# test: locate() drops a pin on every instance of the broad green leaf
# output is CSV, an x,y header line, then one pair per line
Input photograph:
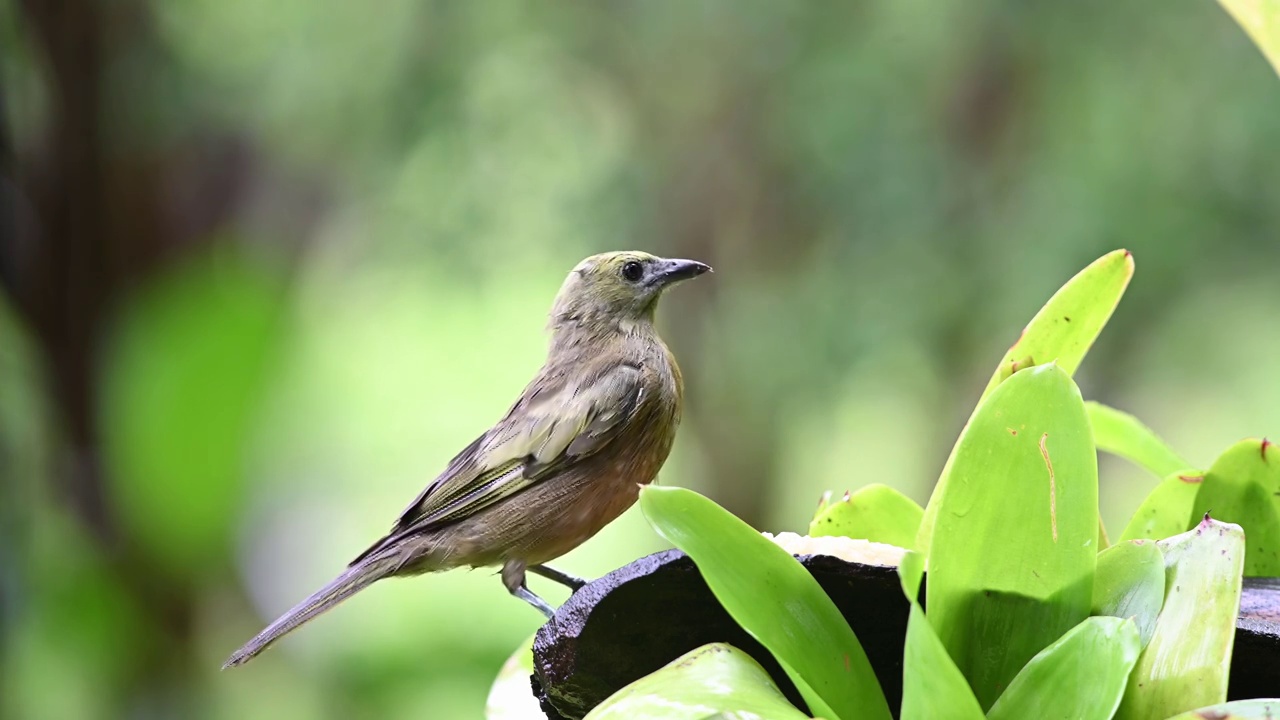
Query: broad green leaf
x,y
933,688
1080,677
510,696
1011,565
1185,664
1129,583
774,599
1260,709
183,380
876,512
1062,332
1167,510
1242,488
1120,433
704,682
1261,20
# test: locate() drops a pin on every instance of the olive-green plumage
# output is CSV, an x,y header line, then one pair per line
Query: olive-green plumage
x,y
596,422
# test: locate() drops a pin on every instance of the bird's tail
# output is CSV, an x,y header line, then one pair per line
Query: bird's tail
x,y
359,576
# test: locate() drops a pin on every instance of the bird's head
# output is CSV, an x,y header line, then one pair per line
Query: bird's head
x,y
618,288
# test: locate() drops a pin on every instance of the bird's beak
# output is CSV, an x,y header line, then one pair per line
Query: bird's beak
x,y
672,271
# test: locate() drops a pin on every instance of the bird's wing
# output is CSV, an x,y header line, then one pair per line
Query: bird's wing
x,y
552,426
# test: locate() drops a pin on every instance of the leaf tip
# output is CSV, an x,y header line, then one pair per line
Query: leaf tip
x,y
824,501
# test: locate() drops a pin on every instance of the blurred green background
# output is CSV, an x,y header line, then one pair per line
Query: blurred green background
x,y
266,266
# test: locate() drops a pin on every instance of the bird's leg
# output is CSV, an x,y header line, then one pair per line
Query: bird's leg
x,y
573,583
513,578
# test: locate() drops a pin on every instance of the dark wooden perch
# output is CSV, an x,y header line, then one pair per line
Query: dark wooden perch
x,y
640,617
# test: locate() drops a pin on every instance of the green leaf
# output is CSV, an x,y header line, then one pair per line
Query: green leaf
x,y
1120,433
1260,709
1185,664
774,599
510,696
1129,583
876,512
1167,510
1242,488
1062,332
1080,677
1261,20
183,381
704,682
1069,323
933,688
1011,565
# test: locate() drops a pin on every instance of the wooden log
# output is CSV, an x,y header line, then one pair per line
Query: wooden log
x,y
638,618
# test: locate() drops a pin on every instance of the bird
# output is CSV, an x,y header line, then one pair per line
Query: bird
x,y
569,456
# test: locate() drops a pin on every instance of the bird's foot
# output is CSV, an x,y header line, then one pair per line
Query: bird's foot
x,y
573,583
528,596
513,578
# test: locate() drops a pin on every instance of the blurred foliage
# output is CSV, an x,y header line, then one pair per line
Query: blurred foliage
x,y
268,265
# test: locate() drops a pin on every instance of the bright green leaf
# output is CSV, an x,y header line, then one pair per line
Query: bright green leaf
x,y
1011,565
1166,510
1129,583
1069,323
1062,332
183,381
1120,433
1242,487
1261,20
876,512
1185,664
774,599
704,682
933,688
1261,709
1080,677
510,696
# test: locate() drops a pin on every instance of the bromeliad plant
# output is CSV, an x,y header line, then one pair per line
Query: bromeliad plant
x,y
1030,613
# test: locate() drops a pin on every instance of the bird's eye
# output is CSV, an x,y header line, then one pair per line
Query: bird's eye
x,y
632,270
